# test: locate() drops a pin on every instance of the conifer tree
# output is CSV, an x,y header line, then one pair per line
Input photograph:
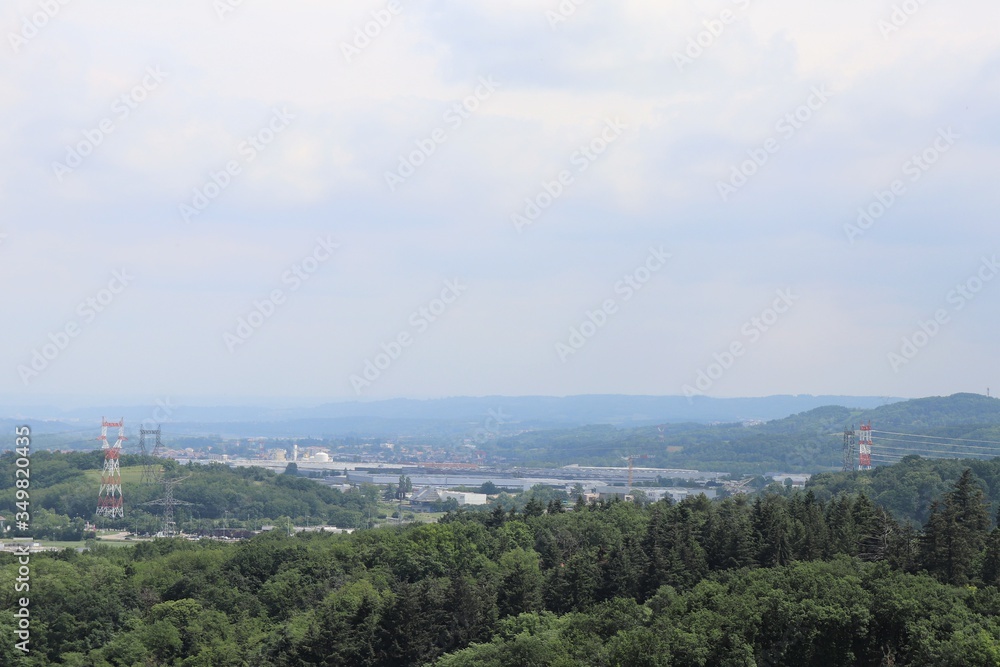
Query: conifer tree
x,y
956,531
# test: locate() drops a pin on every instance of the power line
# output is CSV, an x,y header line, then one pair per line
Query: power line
x,y
941,444
895,458
938,437
934,451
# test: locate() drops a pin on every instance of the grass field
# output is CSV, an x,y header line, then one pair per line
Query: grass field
x,y
81,543
130,474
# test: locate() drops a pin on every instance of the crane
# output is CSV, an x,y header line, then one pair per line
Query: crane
x,y
631,458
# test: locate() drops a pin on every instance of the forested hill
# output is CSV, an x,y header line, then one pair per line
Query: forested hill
x,y
780,579
807,441
938,411
908,488
64,493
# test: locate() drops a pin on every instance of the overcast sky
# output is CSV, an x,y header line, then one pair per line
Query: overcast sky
x,y
688,173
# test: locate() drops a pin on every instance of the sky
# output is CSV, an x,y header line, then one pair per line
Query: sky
x,y
428,198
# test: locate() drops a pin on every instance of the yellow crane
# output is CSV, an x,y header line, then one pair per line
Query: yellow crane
x,y
631,459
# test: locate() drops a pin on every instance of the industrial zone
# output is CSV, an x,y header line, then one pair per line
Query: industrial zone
x,y
430,485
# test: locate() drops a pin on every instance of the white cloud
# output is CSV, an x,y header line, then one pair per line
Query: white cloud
x,y
657,182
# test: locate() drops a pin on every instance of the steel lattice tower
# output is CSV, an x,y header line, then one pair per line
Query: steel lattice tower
x,y
150,471
109,498
169,502
865,447
850,445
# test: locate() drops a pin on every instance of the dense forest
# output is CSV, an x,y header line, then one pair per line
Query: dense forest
x,y
908,488
784,578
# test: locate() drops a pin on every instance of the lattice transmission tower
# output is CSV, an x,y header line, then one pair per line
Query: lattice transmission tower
x,y
109,498
850,447
169,502
865,447
152,473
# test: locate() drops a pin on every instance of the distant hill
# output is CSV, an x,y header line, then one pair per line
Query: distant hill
x,y
809,441
938,411
446,416
669,432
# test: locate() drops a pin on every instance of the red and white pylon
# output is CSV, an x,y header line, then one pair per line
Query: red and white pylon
x,y
865,447
109,498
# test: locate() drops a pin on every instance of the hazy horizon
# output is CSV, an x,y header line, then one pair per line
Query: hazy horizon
x,y
84,401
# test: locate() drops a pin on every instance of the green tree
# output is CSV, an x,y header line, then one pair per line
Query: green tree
x,y
809,530
533,507
675,556
521,581
730,536
772,531
405,486
991,559
497,517
343,630
956,531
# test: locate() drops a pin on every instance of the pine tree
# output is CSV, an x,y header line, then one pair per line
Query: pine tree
x,y
533,508
956,531
729,535
991,560
811,531
497,517
840,522
877,543
671,546
772,529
